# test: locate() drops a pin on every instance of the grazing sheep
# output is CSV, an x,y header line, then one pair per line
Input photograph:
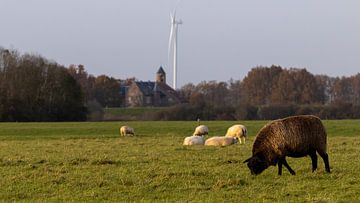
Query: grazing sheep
x,y
295,136
201,130
221,141
194,140
125,130
238,131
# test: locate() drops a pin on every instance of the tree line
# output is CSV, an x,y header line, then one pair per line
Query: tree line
x,y
265,93
33,88
270,93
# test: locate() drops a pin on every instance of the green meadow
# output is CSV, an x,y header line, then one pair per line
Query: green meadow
x,y
89,161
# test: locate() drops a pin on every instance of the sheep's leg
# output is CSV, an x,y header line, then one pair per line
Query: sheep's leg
x,y
325,157
287,166
280,167
313,160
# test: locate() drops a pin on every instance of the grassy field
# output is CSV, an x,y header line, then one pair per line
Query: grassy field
x,y
88,161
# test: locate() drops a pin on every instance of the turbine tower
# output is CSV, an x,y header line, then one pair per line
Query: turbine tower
x,y
173,45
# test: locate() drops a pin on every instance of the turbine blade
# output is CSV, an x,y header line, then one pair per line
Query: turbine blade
x,y
172,18
170,40
176,6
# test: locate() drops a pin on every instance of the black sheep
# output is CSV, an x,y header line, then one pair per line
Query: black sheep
x,y
295,136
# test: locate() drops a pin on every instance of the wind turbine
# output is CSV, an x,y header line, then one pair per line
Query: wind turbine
x,y
173,45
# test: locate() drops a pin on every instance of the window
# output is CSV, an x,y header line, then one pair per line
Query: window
x,y
148,100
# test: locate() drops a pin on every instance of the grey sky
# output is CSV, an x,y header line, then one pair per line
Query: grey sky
x,y
219,40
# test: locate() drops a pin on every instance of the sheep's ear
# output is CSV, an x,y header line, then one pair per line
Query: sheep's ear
x,y
247,160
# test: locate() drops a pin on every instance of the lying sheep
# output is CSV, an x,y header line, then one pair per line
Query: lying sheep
x,y
296,136
126,130
238,131
201,130
194,140
221,141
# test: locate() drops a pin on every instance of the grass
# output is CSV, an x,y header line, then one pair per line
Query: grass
x,y
90,162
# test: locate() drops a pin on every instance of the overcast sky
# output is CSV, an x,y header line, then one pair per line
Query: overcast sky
x,y
218,40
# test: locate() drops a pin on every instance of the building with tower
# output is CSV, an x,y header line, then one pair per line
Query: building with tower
x,y
152,93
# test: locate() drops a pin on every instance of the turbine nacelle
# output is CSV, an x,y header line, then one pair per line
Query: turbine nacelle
x,y
174,21
178,22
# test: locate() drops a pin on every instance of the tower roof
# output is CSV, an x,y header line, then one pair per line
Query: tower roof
x,y
161,70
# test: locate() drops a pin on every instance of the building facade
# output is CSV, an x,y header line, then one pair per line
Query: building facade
x,y
152,93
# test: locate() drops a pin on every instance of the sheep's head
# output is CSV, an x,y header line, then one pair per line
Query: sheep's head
x,y
244,132
256,165
235,140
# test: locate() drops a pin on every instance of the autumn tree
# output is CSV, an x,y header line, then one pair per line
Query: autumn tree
x,y
325,84
297,86
35,89
107,91
235,93
186,91
257,85
355,82
85,80
342,90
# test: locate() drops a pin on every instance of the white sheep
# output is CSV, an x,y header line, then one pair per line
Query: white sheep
x,y
201,130
125,130
221,141
238,131
194,140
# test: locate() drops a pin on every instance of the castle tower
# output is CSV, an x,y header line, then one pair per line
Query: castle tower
x,y
161,75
